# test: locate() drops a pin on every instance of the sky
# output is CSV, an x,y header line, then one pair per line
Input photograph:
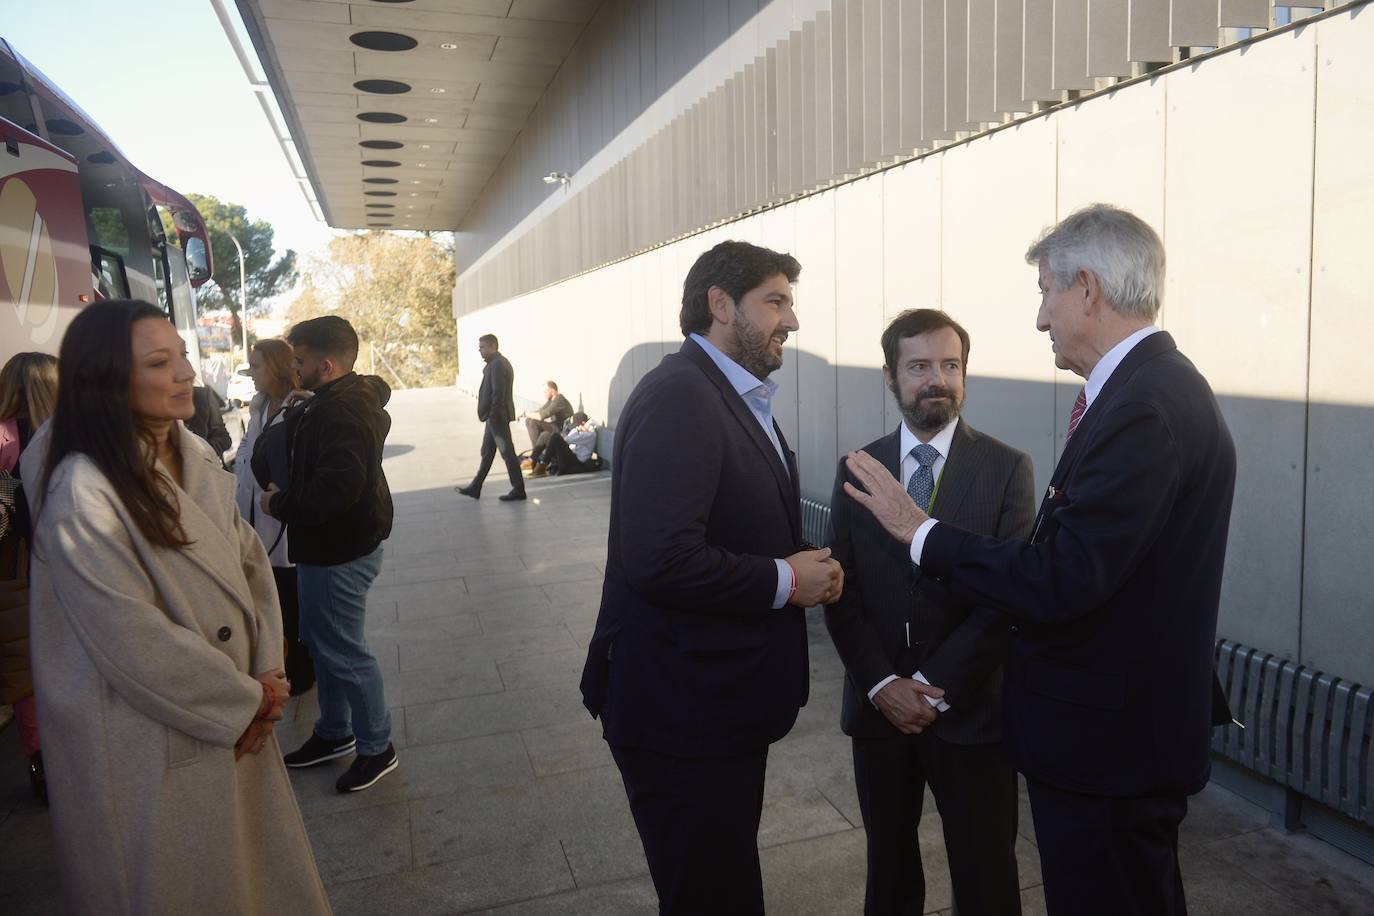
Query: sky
x,y
161,79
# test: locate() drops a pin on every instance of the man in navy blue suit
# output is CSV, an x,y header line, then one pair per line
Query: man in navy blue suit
x,y
1109,680
699,660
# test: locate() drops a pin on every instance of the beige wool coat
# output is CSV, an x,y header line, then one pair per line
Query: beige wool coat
x,y
144,661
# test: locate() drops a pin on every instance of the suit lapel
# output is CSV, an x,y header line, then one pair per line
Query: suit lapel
x,y
959,473
743,415
1152,346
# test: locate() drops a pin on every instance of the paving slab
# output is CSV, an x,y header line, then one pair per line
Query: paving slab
x,y
506,800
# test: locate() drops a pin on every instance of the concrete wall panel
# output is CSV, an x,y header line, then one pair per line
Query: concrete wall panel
x,y
998,193
1237,287
859,310
816,446
1340,478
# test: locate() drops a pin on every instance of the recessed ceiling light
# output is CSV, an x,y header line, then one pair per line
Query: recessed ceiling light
x,y
382,87
380,144
449,46
424,146
414,181
438,89
420,164
381,117
431,120
383,41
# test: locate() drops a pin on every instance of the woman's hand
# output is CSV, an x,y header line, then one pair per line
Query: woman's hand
x,y
253,739
275,696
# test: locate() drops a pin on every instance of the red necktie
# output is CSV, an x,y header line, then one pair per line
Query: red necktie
x,y
1080,404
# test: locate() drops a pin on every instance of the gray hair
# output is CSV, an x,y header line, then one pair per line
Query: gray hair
x,y
1114,245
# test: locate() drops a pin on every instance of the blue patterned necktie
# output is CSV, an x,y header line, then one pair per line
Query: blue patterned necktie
x,y
921,486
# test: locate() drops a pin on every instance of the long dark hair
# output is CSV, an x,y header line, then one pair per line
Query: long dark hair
x,y
94,417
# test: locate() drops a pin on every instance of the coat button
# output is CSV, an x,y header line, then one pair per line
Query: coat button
x,y
224,634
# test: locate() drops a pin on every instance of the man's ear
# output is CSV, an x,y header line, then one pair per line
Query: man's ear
x,y
888,380
720,303
1092,291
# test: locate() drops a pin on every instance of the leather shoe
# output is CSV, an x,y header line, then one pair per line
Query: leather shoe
x,y
540,470
512,496
469,491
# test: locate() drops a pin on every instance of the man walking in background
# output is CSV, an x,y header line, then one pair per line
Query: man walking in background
x,y
698,661
337,506
1114,600
923,691
496,408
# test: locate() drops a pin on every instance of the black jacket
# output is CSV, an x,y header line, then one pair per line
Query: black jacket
x,y
1114,599
496,396
688,657
208,421
336,505
986,487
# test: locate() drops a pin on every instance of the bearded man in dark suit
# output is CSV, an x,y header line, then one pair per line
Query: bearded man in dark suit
x,y
923,684
698,661
1109,681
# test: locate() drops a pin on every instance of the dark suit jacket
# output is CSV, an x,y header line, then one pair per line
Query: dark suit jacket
x,y
1109,678
496,396
688,657
985,487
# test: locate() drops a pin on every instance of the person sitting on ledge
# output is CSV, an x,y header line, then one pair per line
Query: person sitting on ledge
x,y
547,420
569,452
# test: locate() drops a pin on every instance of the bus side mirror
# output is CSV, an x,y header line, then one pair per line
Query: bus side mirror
x,y
197,260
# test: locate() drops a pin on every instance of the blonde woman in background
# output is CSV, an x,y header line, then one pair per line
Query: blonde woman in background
x,y
28,393
271,367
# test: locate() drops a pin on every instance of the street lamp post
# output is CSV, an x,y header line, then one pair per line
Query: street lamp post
x,y
243,299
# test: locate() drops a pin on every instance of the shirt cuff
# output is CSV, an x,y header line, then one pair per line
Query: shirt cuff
x,y
785,584
918,540
879,686
939,704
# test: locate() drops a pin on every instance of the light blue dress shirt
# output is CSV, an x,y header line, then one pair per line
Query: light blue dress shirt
x,y
758,397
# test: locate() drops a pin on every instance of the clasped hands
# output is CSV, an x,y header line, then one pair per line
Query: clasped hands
x,y
903,702
270,711
818,579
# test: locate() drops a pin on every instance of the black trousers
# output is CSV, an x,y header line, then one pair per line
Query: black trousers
x,y
698,818
975,792
300,668
1108,855
496,437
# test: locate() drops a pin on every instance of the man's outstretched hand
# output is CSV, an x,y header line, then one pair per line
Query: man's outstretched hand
x,y
882,495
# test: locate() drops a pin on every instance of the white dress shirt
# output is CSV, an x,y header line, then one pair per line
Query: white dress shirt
x,y
941,442
758,397
1097,379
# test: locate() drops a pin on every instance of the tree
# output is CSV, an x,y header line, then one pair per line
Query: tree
x,y
266,277
397,292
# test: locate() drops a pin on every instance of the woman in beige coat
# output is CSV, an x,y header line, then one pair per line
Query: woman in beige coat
x,y
157,646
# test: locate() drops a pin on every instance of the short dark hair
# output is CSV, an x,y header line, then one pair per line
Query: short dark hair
x,y
735,267
551,384
913,323
491,339
328,335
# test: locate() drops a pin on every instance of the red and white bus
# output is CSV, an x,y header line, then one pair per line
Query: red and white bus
x,y
78,222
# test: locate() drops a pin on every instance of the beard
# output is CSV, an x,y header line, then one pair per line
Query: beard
x,y
925,411
312,381
752,347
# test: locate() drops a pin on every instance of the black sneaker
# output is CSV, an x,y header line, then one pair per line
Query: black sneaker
x,y
317,750
367,769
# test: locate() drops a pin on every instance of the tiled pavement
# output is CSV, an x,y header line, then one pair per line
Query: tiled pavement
x,y
506,799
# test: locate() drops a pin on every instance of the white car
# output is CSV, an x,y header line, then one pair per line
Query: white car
x,y
241,389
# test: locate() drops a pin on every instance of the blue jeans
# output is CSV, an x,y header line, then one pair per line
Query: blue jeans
x,y
333,602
